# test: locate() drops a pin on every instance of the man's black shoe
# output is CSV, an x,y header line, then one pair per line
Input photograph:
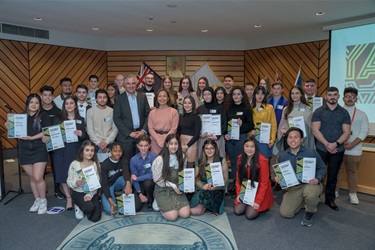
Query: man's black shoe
x,y
59,195
332,205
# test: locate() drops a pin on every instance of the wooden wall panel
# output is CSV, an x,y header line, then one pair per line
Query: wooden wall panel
x,y
221,62
14,81
286,60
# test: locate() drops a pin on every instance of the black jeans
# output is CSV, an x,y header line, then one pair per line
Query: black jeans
x,y
92,209
333,162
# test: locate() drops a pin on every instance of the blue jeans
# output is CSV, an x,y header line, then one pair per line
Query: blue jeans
x,y
234,148
119,185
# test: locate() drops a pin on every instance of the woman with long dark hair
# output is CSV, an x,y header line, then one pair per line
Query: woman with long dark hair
x,y
186,88
171,201
208,197
253,167
32,152
221,95
167,84
112,91
63,157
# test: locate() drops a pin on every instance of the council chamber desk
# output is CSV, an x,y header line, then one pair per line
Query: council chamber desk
x,y
366,175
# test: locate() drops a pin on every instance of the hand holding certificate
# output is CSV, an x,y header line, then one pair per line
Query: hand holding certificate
x,y
217,178
248,193
69,127
126,204
17,125
54,137
284,171
92,180
306,168
265,133
235,130
211,124
186,180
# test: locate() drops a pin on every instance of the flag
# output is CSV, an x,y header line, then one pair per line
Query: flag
x,y
143,71
205,70
299,78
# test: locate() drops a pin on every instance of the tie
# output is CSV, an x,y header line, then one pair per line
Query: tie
x,y
310,100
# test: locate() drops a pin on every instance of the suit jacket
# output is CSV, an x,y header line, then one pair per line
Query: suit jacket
x,y
123,118
279,107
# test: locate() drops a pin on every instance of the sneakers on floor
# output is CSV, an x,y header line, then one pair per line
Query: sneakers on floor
x,y
155,206
78,212
307,219
42,206
337,194
34,208
353,199
59,195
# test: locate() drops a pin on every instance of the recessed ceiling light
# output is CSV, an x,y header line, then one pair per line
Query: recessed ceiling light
x,y
257,25
95,28
204,31
150,30
172,5
38,19
320,13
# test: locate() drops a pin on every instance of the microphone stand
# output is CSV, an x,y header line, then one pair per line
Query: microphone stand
x,y
20,191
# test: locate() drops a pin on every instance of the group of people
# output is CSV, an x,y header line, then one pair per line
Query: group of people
x,y
142,149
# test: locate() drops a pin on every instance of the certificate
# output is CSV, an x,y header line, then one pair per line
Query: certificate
x,y
17,125
298,122
265,132
284,171
217,178
248,193
307,167
128,204
54,137
211,124
317,103
186,180
91,177
235,130
69,127
150,99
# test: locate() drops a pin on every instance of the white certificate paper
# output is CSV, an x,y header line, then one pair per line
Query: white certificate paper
x,y
91,177
285,172
317,103
298,122
217,174
235,132
189,180
309,168
150,99
17,125
128,204
265,132
70,127
54,137
211,124
250,193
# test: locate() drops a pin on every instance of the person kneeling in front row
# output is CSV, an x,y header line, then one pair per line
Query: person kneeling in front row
x,y
305,194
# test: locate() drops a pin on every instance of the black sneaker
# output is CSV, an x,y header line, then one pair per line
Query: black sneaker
x,y
59,195
149,206
307,219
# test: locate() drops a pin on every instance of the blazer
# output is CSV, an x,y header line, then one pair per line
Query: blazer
x,y
279,107
123,118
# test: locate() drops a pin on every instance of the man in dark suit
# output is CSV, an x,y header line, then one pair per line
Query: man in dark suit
x,y
130,114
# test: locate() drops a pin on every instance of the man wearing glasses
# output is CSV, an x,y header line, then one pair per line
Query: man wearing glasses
x,y
353,147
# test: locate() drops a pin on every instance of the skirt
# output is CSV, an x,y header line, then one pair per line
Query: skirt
x,y
192,152
32,151
168,199
62,160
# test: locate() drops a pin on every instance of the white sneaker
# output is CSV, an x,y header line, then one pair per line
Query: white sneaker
x,y
78,212
34,208
353,198
42,206
337,194
155,205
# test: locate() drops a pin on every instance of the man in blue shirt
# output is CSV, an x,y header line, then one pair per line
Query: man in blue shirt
x,y
278,101
304,194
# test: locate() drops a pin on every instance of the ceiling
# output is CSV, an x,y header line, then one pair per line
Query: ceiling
x,y
131,18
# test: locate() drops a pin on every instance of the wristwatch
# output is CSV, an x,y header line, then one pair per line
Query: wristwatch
x,y
338,144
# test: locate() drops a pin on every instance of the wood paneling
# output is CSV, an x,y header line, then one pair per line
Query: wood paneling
x,y
221,62
287,60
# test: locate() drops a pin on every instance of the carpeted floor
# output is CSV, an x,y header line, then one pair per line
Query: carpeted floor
x,y
353,227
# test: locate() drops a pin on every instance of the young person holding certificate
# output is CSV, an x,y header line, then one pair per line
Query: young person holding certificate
x,y
32,152
305,194
162,121
189,128
207,196
297,107
64,156
239,116
86,199
211,107
171,201
253,166
265,122
116,177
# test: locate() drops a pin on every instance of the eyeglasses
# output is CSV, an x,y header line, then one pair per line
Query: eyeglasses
x,y
350,96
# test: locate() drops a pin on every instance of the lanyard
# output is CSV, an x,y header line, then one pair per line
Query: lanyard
x,y
355,111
